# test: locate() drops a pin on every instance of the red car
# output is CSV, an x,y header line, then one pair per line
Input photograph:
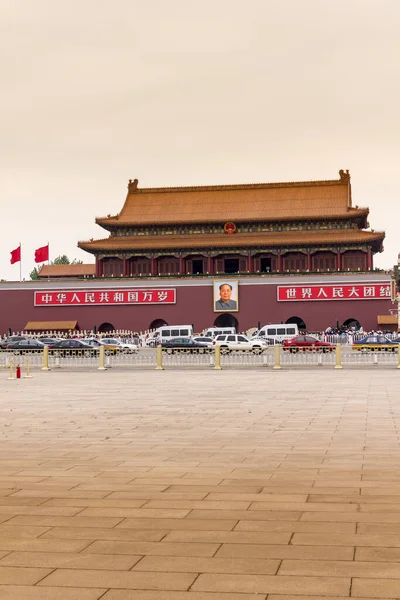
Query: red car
x,y
302,343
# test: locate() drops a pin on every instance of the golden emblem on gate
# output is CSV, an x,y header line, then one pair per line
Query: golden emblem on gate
x,y
230,228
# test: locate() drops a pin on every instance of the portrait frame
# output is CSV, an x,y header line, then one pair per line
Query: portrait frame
x,y
234,296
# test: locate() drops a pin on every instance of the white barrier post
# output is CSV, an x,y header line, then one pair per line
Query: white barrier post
x,y
277,358
159,358
11,369
101,358
45,359
28,369
338,364
217,361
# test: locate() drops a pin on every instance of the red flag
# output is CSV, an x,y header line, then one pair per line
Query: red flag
x,y
42,254
15,255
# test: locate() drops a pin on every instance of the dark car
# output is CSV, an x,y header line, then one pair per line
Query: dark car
x,y
306,343
183,344
12,339
376,342
25,345
65,347
47,341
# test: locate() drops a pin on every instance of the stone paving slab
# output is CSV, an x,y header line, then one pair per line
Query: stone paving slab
x,y
189,485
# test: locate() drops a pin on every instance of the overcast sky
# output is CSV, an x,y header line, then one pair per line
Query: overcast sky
x,y
182,92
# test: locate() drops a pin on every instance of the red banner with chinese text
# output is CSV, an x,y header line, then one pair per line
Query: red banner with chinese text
x,y
104,297
375,291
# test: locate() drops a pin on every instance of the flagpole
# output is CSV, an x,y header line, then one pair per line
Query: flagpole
x,y
20,263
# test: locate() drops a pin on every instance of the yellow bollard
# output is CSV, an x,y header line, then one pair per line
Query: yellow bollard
x,y
45,359
28,369
277,358
102,355
217,361
338,364
11,369
398,356
159,366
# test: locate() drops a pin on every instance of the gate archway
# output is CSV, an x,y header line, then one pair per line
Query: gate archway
x,y
106,328
157,323
226,320
298,321
352,323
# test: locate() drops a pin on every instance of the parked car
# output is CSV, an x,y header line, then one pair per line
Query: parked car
x,y
184,345
303,343
230,342
113,343
69,346
11,339
49,340
265,340
202,339
376,342
26,345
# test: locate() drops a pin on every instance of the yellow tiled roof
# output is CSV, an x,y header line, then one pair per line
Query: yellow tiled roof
x,y
78,270
237,203
51,325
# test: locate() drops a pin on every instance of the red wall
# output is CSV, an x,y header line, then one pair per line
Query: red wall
x,y
257,303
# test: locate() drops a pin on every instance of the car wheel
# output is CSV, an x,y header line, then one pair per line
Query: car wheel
x,y
257,350
364,349
224,350
169,351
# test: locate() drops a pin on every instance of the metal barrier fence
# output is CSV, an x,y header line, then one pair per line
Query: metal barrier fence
x,y
151,358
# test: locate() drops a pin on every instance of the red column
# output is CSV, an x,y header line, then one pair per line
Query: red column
x,y
209,264
97,267
279,261
338,260
181,265
124,267
153,266
308,261
250,265
369,259
100,267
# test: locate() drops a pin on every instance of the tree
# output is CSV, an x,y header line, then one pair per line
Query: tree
x,y
59,260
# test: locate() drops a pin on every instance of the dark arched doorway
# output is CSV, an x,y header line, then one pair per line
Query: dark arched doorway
x,y
226,320
352,323
106,328
298,321
157,323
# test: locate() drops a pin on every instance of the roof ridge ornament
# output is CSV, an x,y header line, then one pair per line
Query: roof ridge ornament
x,y
133,186
344,176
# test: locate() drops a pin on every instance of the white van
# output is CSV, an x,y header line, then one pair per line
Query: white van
x,y
167,332
214,331
278,333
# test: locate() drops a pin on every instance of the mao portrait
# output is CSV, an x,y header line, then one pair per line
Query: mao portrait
x,y
226,296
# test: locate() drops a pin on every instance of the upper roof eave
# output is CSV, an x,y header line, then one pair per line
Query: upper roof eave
x,y
350,214
262,239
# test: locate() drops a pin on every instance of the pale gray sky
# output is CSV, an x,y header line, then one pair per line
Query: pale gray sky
x,y
182,92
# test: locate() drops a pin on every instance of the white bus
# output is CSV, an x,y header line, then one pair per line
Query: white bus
x,y
278,332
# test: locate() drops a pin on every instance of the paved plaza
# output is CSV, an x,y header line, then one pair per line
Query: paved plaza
x,y
200,485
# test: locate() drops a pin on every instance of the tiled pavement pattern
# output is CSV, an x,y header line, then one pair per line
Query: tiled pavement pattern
x,y
239,485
